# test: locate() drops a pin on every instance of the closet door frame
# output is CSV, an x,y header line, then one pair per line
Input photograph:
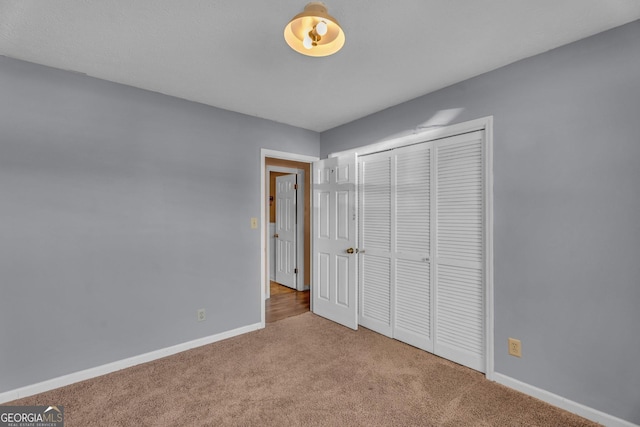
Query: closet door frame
x,y
483,124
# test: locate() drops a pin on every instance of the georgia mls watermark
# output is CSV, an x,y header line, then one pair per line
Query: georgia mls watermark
x,y
31,416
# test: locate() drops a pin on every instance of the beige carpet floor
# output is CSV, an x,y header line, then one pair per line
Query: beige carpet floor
x,y
300,371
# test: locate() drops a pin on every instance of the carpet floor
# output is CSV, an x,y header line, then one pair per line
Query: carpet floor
x,y
300,371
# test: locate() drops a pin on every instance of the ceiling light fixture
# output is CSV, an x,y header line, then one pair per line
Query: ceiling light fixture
x,y
314,32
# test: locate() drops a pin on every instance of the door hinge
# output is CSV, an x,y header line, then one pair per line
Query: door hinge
x,y
295,186
295,271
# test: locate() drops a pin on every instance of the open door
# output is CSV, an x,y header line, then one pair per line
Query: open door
x,y
286,230
334,290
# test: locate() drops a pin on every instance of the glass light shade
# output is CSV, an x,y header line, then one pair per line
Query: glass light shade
x,y
300,26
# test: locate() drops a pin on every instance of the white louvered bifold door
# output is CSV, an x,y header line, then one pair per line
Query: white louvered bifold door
x,y
412,308
421,236
459,250
375,203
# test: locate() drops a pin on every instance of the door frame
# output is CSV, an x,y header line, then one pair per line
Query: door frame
x,y
299,225
264,228
485,124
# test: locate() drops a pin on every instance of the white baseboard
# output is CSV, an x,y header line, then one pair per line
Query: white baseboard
x,y
561,402
86,374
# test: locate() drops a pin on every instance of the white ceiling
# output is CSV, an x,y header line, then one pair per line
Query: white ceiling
x,y
231,53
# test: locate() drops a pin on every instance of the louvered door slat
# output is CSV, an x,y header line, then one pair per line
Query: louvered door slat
x,y
375,203
413,200
413,300
376,274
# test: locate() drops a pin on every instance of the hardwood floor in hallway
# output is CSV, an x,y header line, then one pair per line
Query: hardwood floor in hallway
x,y
285,302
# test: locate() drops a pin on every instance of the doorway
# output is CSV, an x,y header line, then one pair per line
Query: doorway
x,y
284,301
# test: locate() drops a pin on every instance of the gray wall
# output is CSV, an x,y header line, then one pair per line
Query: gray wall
x,y
121,213
567,211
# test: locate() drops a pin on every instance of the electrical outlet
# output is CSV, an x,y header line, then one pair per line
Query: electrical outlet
x,y
202,315
254,222
515,347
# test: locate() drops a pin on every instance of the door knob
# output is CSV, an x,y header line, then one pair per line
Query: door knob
x,y
350,251
276,235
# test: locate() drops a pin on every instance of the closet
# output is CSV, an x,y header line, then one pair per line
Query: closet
x,y
421,237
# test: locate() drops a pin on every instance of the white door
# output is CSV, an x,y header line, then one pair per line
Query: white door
x,y
375,215
286,231
459,260
334,290
394,214
422,239
412,230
